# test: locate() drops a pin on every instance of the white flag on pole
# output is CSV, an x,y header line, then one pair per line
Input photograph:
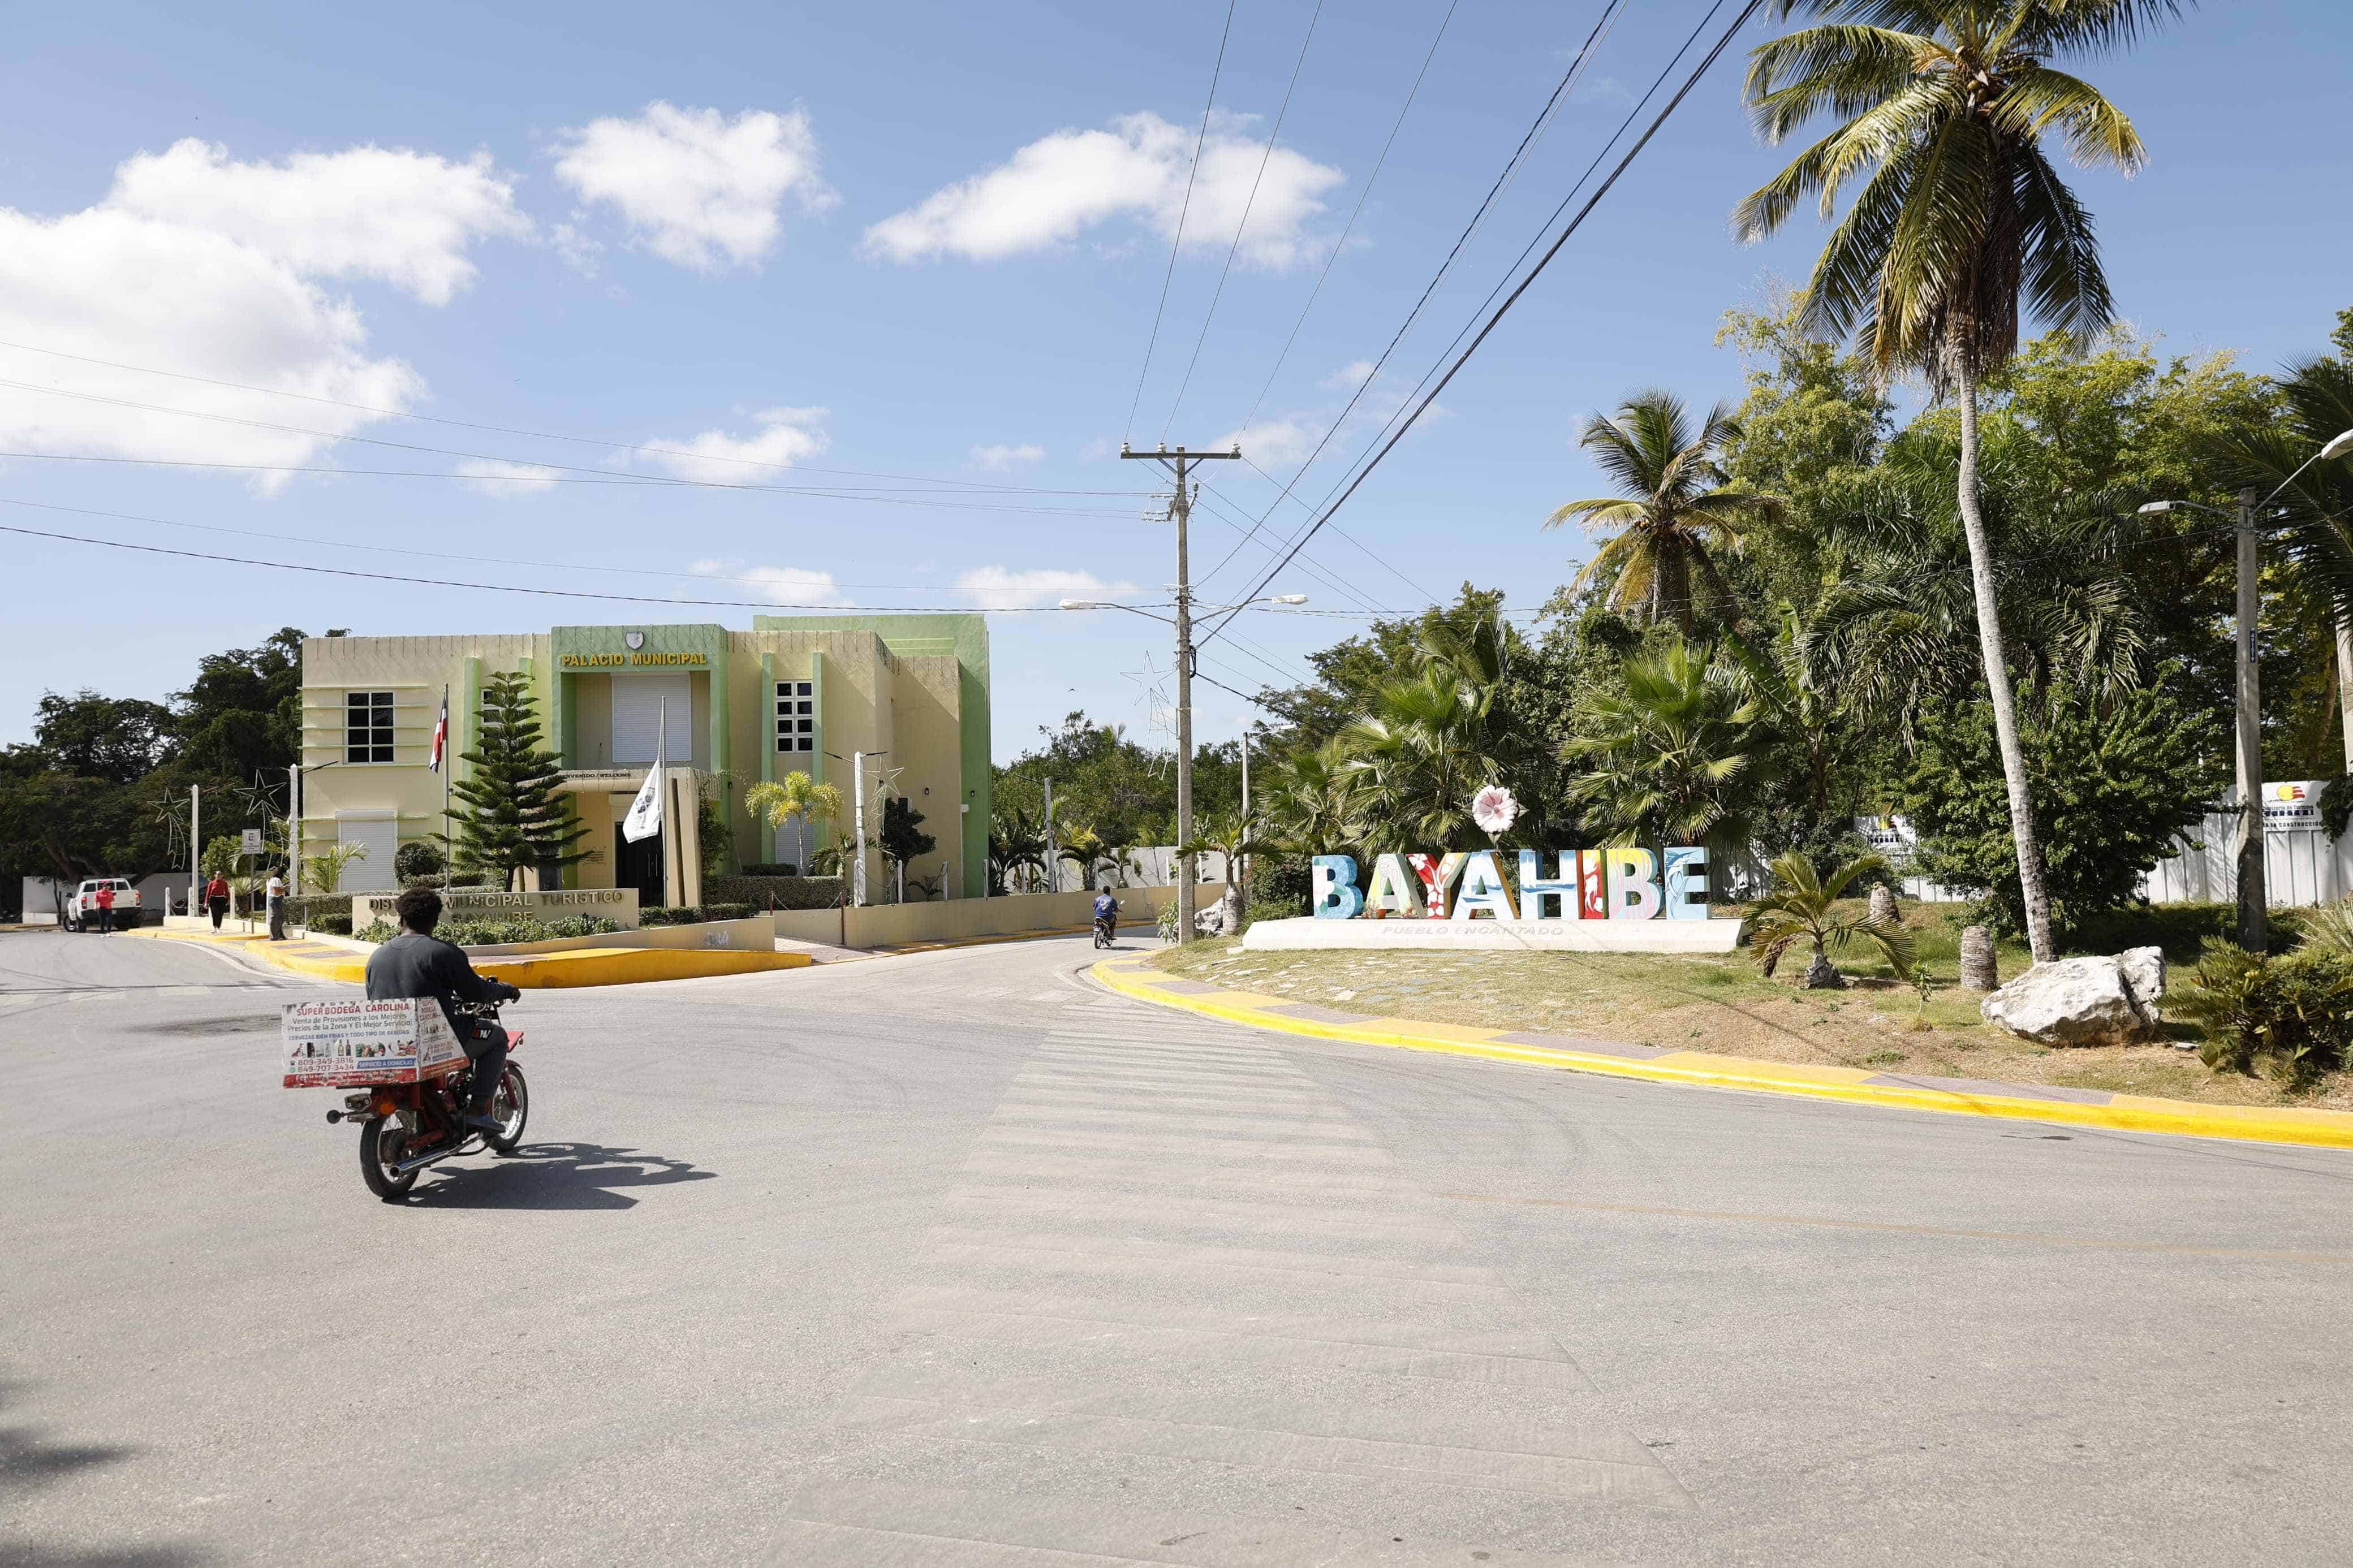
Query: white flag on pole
x,y
645,818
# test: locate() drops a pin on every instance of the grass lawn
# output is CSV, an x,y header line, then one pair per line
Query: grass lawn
x,y
1722,1004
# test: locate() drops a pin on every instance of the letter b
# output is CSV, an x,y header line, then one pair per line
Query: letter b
x,y
1333,894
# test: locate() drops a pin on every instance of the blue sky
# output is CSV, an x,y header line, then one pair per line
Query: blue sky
x,y
925,243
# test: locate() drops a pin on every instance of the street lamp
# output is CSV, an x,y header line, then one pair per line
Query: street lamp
x,y
2254,903
294,819
1182,621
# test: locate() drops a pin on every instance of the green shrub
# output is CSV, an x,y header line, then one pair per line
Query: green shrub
x,y
310,908
692,914
418,860
582,925
727,911
760,891
2292,1014
378,931
775,868
333,925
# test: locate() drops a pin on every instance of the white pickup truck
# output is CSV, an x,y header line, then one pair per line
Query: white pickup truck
x,y
82,910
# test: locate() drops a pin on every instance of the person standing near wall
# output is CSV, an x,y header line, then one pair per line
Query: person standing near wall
x,y
216,897
277,896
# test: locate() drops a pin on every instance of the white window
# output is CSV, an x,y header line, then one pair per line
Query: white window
x,y
645,703
796,716
367,727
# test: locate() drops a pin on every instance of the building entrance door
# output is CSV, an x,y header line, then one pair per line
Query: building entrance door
x,y
640,865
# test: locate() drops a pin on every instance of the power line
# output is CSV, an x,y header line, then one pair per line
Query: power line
x,y
921,498
1265,158
442,555
769,604
503,429
657,480
1368,551
1746,11
1568,77
1182,213
1350,226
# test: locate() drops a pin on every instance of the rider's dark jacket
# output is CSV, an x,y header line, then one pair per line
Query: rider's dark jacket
x,y
414,965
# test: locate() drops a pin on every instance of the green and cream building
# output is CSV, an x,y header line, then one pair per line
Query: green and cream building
x,y
799,693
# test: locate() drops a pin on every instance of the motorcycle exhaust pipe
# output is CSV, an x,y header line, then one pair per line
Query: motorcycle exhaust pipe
x,y
418,1164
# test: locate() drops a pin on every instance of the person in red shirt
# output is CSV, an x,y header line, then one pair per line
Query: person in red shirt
x,y
105,899
216,897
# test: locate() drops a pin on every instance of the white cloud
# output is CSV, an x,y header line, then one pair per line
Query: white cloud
x,y
795,585
1060,186
1348,377
108,285
1271,441
786,435
401,217
1008,456
506,481
695,188
997,588
579,252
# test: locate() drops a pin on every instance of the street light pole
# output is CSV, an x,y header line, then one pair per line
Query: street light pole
x,y
2254,912
1181,511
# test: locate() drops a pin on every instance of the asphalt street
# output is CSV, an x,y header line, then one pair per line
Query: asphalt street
x,y
954,1259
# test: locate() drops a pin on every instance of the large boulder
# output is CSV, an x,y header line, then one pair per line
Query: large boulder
x,y
2092,1001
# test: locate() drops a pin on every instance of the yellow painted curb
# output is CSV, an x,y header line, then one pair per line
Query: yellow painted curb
x,y
531,972
2123,1112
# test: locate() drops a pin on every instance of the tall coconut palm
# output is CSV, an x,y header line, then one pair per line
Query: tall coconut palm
x,y
1942,107
1678,512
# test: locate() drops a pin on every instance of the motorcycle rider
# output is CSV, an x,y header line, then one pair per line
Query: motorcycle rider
x,y
417,963
1106,911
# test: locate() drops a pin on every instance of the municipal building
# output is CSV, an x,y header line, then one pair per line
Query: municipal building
x,y
800,693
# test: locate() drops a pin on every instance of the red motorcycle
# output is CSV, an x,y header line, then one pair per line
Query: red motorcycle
x,y
404,1127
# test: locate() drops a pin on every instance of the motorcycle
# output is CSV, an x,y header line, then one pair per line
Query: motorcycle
x,y
1107,929
404,1127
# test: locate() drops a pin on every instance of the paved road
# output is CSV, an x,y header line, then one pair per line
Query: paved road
x,y
950,1259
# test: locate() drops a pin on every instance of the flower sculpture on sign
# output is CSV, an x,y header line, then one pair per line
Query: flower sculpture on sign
x,y
1494,809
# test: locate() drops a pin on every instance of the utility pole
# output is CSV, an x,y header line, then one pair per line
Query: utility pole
x,y
1239,873
294,828
858,826
1053,860
2254,914
196,846
1181,511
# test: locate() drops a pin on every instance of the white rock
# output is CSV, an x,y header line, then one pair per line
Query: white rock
x,y
2143,970
2078,1002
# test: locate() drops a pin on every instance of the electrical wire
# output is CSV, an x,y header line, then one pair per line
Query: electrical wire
x,y
1357,211
442,555
1569,78
768,604
1272,136
511,430
1365,471
1182,213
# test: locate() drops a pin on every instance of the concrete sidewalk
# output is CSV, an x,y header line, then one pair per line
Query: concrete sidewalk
x,y
1911,1091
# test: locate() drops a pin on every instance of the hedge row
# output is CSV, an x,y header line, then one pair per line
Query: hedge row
x,y
763,893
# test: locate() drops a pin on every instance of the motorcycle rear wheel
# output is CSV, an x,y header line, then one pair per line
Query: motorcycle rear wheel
x,y
512,1106
383,1141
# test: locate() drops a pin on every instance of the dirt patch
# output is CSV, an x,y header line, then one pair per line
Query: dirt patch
x,y
1723,1006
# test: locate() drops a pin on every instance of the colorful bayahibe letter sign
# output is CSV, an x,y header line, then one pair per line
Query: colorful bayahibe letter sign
x,y
1617,884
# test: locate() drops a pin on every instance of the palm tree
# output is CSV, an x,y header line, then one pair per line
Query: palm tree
x,y
1017,842
1944,105
1801,908
1674,753
1226,834
1678,511
795,798
1310,798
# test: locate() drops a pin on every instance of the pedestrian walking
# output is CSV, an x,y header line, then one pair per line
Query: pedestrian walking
x,y
105,898
277,896
216,897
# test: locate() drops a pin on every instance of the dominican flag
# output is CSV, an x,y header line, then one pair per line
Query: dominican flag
x,y
440,732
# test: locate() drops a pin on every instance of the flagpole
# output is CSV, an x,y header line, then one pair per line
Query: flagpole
x,y
448,849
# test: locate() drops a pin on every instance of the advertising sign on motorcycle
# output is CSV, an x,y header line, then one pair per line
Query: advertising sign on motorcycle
x,y
344,1043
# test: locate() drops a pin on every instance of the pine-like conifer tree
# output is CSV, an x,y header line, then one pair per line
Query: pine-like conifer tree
x,y
509,815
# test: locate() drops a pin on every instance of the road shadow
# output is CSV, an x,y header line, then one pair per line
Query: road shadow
x,y
29,1462
554,1176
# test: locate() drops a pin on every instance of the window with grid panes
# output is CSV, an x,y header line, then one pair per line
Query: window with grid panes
x,y
367,727
796,716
